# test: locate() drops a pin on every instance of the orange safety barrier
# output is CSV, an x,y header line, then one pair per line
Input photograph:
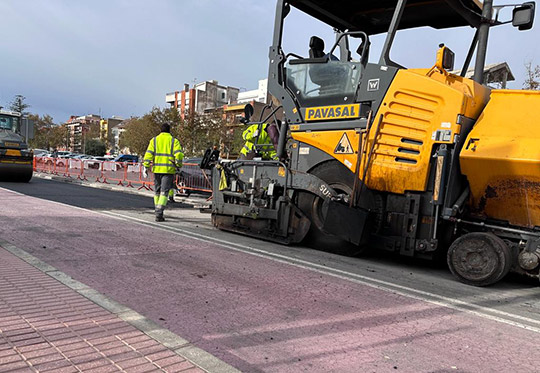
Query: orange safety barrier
x,y
74,168
192,177
62,166
91,170
189,178
113,171
55,166
148,181
44,164
133,174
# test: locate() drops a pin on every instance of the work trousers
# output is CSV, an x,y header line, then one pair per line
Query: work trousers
x,y
163,183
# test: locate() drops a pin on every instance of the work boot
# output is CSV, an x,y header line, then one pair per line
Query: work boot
x,y
160,218
171,199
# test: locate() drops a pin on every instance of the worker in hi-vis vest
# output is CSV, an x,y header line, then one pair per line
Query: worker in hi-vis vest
x,y
258,134
165,155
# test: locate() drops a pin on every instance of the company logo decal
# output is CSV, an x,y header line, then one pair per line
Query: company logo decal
x,y
373,85
333,112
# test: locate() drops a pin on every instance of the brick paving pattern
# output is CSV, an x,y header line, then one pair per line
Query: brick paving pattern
x,y
46,326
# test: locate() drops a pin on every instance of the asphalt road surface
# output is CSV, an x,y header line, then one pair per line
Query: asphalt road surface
x,y
263,307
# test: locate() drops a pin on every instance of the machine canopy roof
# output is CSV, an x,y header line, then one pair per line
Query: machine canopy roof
x,y
374,16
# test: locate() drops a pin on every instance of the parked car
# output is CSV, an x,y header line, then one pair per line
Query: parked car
x,y
61,154
40,152
127,158
60,162
94,162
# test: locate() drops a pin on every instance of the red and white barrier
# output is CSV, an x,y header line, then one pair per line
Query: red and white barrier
x,y
189,178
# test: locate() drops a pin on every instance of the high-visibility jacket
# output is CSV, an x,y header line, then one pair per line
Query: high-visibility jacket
x,y
250,135
165,153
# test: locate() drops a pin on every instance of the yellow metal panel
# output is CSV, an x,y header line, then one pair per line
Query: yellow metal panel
x,y
476,95
419,110
235,107
327,141
502,159
13,152
15,162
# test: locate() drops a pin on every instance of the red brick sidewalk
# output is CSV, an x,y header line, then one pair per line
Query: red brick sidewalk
x,y
46,326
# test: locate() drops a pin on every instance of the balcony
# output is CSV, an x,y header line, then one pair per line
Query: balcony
x,y
169,98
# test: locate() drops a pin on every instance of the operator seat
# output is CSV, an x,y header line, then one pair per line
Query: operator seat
x,y
329,77
316,47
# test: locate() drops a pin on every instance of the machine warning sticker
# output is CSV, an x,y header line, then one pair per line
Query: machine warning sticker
x,y
343,146
333,112
442,135
303,151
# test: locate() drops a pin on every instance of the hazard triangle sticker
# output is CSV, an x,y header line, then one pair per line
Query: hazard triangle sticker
x,y
344,146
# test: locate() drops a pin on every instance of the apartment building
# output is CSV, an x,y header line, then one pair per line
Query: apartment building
x,y
79,128
202,98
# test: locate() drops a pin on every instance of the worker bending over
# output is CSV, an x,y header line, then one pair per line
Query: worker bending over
x,y
259,134
165,155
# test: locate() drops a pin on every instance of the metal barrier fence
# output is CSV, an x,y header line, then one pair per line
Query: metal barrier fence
x,y
189,178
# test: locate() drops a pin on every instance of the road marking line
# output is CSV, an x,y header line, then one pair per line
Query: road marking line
x,y
487,313
458,305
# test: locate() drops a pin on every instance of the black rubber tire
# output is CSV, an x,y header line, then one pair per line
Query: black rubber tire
x,y
17,174
26,178
341,180
182,191
479,259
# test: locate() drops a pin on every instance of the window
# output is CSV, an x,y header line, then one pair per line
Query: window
x,y
9,122
317,83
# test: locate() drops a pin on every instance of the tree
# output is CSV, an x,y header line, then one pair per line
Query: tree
x,y
59,136
93,131
47,134
195,132
19,105
139,131
532,79
95,147
200,132
137,134
42,131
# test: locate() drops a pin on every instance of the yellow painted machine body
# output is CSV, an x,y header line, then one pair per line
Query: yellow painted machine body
x,y
395,159
501,159
420,109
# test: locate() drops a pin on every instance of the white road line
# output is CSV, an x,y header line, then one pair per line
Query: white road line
x,y
487,313
458,305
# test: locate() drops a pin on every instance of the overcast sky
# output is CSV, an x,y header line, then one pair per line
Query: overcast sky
x,y
120,57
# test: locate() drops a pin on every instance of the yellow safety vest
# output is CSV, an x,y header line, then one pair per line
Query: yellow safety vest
x,y
165,152
267,150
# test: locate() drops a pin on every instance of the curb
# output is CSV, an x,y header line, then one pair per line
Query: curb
x,y
196,203
172,341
